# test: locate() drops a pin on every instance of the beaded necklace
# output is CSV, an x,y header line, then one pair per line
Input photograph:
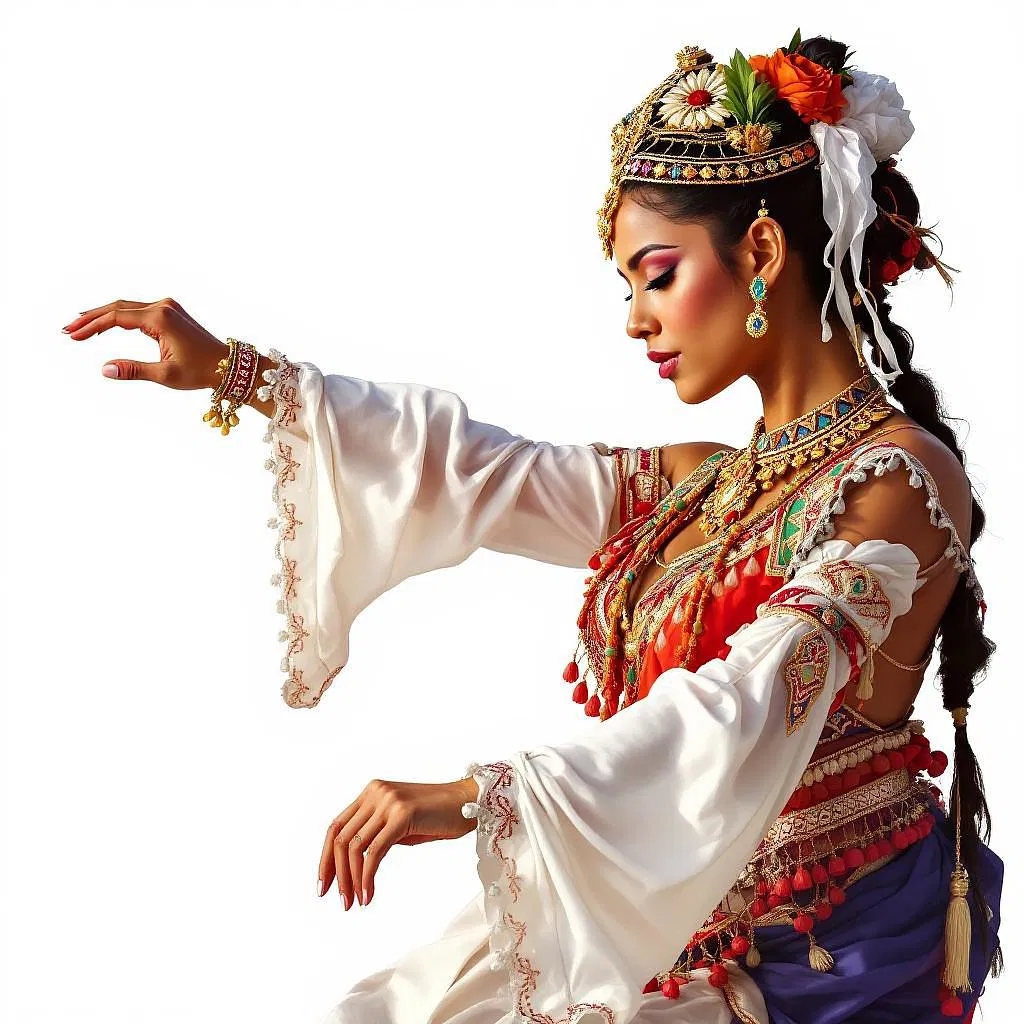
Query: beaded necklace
x,y
625,555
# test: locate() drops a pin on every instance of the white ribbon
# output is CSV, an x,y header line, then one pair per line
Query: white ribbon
x,y
875,125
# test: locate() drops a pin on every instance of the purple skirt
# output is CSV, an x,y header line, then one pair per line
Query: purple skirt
x,y
887,943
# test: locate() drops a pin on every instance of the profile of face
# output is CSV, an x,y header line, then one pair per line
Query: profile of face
x,y
682,300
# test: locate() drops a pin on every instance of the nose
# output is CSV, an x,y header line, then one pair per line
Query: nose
x,y
636,327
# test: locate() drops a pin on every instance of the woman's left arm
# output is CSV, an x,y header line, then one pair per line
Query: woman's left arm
x,y
600,856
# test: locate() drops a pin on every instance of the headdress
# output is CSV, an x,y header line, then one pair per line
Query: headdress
x,y
708,123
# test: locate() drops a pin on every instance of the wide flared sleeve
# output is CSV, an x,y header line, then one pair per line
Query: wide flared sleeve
x,y
601,856
377,482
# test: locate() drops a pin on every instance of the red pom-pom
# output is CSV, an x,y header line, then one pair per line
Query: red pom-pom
x,y
593,706
801,799
836,896
818,874
911,246
759,907
740,945
851,778
670,988
834,785
762,888
802,879
782,888
651,986
890,271
718,976
823,911
803,923
819,791
580,693
853,858
836,867
899,839
952,1007
885,848
775,901
872,853
880,764
595,560
939,763
571,672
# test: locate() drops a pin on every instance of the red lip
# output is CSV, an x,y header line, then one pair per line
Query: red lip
x,y
659,357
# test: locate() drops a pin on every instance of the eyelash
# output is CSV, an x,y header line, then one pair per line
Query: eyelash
x,y
661,281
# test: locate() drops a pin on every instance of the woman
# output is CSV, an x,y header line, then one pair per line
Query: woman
x,y
752,833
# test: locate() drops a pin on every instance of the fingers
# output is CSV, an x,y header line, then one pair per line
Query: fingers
x,y
344,854
325,872
382,842
149,318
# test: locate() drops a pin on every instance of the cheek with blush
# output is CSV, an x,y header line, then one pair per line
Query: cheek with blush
x,y
703,307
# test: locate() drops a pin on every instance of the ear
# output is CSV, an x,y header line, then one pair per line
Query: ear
x,y
763,249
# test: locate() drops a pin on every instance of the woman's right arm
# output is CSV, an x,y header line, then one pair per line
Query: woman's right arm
x,y
376,482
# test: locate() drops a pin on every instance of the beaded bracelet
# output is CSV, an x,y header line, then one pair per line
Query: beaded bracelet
x,y
238,381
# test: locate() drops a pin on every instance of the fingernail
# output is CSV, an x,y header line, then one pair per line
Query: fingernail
x,y
346,900
359,897
366,899
67,330
110,370
319,887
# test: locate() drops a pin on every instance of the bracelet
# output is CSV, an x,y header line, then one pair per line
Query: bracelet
x,y
238,382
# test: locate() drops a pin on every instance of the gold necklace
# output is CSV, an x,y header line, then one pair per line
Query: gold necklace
x,y
812,435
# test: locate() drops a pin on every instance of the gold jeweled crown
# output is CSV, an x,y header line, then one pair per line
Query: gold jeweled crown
x,y
708,123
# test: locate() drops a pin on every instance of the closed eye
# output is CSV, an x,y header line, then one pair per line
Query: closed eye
x,y
661,281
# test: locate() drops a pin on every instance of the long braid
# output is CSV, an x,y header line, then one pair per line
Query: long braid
x,y
964,649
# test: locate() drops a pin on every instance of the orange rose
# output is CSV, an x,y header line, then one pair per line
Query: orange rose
x,y
813,91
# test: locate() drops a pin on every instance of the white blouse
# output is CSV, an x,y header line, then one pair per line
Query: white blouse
x,y
599,856
375,483
602,854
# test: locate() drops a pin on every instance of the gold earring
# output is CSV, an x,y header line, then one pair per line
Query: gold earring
x,y
757,321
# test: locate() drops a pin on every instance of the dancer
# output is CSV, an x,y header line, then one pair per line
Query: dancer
x,y
751,831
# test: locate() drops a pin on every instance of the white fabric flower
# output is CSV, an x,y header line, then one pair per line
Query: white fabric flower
x,y
876,112
686,106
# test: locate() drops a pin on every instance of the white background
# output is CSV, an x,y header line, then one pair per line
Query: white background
x,y
400,192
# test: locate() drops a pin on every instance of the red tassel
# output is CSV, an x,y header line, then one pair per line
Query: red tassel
x,y
952,1007
580,693
670,989
651,986
571,672
593,706
802,879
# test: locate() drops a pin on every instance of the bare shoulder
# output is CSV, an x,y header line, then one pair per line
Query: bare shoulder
x,y
678,461
891,509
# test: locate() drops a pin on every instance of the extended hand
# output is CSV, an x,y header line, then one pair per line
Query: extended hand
x,y
386,813
188,352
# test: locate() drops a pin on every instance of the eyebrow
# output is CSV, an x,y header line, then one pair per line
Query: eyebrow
x,y
634,260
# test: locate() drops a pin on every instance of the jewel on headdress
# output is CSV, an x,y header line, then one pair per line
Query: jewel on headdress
x,y
691,57
749,138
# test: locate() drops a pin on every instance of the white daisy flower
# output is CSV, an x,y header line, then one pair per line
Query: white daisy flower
x,y
696,101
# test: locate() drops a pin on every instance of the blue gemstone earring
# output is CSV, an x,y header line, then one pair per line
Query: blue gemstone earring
x,y
757,322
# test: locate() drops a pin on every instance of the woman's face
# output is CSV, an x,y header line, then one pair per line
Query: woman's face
x,y
684,302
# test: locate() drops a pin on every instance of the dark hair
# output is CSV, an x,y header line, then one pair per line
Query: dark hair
x,y
893,243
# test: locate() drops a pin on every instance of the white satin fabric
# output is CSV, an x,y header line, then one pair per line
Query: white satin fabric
x,y
377,482
600,856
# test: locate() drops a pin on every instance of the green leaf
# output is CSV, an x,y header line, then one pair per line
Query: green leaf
x,y
794,42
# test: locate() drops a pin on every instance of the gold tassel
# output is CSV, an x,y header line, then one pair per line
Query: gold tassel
x,y
753,957
821,959
956,970
865,690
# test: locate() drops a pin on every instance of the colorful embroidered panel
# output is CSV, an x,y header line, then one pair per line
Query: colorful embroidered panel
x,y
805,673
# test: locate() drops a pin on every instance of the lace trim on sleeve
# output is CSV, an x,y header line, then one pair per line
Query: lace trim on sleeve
x,y
282,387
496,837
880,458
